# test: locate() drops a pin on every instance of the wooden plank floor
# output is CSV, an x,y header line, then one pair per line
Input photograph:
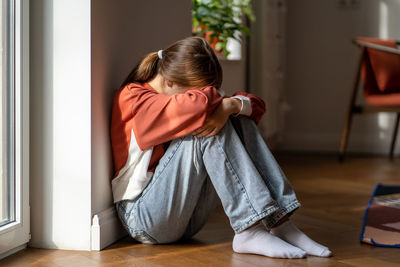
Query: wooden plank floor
x,y
333,196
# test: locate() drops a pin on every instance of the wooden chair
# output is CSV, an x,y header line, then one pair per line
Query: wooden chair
x,y
379,69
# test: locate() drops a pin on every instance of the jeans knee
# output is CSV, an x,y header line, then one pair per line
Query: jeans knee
x,y
168,235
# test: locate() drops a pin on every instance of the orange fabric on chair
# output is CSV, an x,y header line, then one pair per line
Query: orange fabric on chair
x,y
383,99
380,70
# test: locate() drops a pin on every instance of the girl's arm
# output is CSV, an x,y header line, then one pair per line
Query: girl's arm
x,y
252,105
158,118
217,120
240,104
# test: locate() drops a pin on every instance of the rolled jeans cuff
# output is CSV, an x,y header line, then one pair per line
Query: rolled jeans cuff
x,y
260,216
271,220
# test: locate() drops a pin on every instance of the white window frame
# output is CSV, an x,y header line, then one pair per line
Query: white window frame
x,y
14,236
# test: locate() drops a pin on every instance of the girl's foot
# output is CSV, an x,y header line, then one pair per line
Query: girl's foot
x,y
291,234
256,240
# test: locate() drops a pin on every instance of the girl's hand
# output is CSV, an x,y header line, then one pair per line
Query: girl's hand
x,y
217,120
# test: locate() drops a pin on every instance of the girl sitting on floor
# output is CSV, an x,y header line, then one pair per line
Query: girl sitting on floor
x,y
178,146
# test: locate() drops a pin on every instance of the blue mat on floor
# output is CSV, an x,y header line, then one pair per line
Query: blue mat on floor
x,y
382,218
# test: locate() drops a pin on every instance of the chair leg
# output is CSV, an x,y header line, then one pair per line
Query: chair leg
x,y
347,127
345,136
396,128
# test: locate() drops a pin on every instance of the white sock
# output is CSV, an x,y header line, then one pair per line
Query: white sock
x,y
291,234
257,240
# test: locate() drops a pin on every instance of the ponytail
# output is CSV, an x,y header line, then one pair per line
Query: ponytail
x,y
144,71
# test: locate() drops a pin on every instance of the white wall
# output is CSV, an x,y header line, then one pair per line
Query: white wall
x,y
60,124
321,63
122,32
80,53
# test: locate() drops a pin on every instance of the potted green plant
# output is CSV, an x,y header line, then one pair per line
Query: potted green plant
x,y
219,20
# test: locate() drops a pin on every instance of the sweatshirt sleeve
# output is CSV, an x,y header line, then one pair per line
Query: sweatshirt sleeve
x,y
158,118
252,105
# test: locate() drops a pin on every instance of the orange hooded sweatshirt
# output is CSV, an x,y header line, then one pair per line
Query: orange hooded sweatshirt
x,y
144,121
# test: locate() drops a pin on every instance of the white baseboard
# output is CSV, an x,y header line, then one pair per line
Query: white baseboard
x,y
12,251
106,229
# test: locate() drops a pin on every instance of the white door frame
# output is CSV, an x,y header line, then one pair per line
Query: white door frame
x,y
15,235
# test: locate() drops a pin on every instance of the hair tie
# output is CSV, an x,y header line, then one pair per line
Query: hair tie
x,y
159,54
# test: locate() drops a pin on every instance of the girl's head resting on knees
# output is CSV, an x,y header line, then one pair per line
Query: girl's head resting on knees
x,y
186,64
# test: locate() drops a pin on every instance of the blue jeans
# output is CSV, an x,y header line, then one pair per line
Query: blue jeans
x,y
235,166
